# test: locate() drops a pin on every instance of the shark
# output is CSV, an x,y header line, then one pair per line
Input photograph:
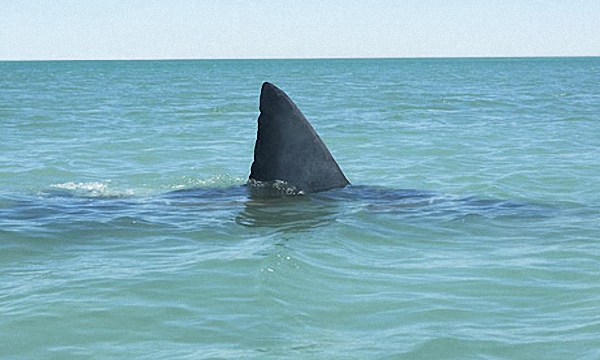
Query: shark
x,y
294,182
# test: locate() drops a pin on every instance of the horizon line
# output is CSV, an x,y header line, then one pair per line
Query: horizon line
x,y
310,58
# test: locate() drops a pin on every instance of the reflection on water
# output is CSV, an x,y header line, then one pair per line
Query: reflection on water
x,y
290,213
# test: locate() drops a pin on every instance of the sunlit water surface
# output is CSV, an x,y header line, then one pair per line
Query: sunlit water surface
x,y
471,230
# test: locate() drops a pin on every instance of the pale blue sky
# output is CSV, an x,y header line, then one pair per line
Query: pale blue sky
x,y
181,29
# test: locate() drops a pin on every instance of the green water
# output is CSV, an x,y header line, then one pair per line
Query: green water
x,y
471,231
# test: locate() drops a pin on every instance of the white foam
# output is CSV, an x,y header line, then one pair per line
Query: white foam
x,y
96,187
217,181
91,189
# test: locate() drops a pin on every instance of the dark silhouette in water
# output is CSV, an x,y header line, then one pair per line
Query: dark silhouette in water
x,y
289,159
288,149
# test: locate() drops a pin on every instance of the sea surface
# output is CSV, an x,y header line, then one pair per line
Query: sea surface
x,y
471,229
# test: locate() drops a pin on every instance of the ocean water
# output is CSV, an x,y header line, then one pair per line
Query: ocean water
x,y
471,230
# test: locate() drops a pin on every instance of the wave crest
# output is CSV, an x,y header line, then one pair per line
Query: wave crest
x,y
89,189
275,188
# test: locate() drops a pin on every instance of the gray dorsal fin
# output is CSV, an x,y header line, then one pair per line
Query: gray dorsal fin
x,y
289,149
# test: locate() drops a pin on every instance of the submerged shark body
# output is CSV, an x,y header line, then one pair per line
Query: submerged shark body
x,y
289,150
289,159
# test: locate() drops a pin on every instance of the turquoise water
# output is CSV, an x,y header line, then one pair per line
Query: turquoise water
x,y
471,231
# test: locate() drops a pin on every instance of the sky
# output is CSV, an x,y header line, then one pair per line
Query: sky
x,y
248,29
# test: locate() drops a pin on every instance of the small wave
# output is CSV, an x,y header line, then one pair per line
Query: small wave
x,y
275,188
217,181
81,186
107,189
89,189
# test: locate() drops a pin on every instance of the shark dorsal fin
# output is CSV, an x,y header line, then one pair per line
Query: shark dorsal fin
x,y
289,149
